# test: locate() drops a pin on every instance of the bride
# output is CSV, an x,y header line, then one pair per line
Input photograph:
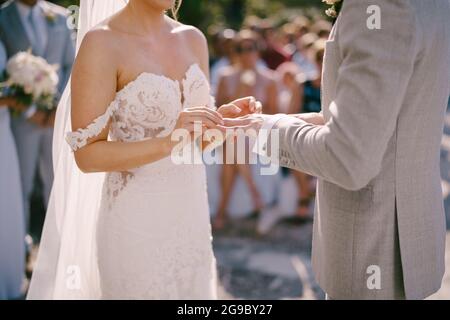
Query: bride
x,y
124,221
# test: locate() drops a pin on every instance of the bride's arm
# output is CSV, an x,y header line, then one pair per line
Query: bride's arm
x,y
94,85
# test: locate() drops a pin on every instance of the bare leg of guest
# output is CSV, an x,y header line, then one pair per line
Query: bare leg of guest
x,y
229,173
246,173
305,194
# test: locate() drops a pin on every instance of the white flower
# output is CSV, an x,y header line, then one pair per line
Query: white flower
x,y
331,12
33,74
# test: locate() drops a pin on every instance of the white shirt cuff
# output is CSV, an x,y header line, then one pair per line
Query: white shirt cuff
x,y
30,112
260,146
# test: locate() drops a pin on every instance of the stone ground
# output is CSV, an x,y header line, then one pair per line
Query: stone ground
x,y
275,266
278,266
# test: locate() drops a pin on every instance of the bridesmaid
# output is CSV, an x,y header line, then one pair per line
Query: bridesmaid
x,y
12,227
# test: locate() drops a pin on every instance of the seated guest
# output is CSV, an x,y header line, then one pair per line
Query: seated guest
x,y
303,56
273,54
244,78
311,103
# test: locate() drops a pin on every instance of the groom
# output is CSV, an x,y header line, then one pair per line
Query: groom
x,y
379,229
41,26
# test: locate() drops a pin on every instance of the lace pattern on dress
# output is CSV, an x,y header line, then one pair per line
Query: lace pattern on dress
x,y
115,182
146,108
151,109
78,139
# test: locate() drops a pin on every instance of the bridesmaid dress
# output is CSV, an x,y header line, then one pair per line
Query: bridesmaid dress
x,y
12,226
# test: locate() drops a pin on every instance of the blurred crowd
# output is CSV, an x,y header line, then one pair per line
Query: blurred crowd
x,y
281,65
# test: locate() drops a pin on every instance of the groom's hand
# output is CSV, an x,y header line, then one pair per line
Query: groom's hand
x,y
240,108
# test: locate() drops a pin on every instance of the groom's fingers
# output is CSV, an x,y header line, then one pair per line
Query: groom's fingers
x,y
258,107
247,104
204,122
252,105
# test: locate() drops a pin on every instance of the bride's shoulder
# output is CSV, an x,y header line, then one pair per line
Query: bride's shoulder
x,y
193,36
99,47
101,32
101,38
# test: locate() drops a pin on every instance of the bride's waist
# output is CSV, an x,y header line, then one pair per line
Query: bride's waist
x,y
166,165
165,175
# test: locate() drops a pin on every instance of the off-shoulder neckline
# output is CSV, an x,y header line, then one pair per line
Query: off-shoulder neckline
x,y
161,76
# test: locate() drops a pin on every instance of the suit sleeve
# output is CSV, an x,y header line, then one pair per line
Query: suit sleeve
x,y
371,85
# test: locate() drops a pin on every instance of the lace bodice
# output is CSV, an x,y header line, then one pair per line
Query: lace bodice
x,y
147,107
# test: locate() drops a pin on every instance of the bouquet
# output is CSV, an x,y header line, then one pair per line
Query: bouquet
x,y
31,80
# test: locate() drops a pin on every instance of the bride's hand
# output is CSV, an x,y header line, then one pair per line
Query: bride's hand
x,y
12,103
240,107
190,118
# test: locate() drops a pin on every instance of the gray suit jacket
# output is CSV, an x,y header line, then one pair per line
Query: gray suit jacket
x,y
379,200
60,49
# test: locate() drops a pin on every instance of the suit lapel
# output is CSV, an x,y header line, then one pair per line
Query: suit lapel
x,y
14,20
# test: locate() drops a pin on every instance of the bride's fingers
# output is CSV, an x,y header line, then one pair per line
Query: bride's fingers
x,y
193,127
200,115
205,109
204,122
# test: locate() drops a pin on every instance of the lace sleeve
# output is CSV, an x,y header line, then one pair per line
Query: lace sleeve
x,y
78,139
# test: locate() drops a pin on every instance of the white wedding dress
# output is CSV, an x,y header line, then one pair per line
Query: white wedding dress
x,y
153,231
